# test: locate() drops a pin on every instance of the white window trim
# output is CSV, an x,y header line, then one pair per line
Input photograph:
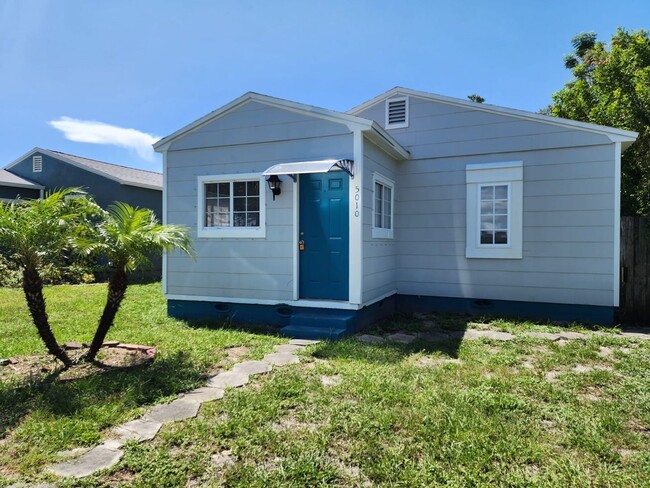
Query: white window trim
x,y
399,125
230,232
380,232
492,174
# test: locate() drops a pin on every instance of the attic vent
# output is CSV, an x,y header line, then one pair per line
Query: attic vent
x,y
397,113
37,164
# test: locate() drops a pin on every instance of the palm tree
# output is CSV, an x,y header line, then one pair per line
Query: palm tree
x,y
129,237
37,232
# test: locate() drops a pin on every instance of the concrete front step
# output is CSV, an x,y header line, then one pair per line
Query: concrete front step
x,y
305,332
325,324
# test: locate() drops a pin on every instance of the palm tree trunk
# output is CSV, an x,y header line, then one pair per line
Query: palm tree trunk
x,y
33,288
116,289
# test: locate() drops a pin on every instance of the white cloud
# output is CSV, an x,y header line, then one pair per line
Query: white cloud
x,y
101,133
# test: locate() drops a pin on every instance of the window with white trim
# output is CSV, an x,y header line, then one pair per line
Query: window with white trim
x,y
383,204
37,164
494,210
231,206
397,113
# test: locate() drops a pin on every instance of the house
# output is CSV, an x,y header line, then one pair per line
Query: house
x,y
409,202
13,187
106,182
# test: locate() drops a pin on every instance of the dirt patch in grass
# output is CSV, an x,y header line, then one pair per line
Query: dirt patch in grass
x,y
30,369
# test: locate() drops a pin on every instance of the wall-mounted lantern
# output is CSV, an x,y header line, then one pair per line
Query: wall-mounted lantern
x,y
274,183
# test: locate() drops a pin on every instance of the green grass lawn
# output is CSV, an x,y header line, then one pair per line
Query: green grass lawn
x,y
455,413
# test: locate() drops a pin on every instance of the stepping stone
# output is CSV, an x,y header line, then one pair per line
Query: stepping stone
x,y
572,335
288,348
496,335
204,394
402,338
581,368
229,379
551,376
543,335
222,459
303,342
643,336
370,339
330,380
179,409
139,430
97,458
252,367
472,334
605,352
281,359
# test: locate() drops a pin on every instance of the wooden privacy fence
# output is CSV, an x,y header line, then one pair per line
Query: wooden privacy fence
x,y
635,270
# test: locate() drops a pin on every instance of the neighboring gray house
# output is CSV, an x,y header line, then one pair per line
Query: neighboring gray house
x,y
408,202
107,183
12,187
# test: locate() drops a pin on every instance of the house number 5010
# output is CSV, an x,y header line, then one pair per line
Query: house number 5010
x,y
357,198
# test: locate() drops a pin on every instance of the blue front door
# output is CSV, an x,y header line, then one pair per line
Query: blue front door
x,y
323,234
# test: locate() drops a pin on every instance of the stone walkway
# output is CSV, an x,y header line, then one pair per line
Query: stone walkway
x,y
495,335
109,452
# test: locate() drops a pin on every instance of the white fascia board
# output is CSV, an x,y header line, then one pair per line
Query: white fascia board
x,y
22,185
385,141
351,121
615,135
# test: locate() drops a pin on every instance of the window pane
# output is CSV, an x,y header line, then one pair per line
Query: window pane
x,y
487,237
224,189
253,188
501,222
501,207
211,190
239,219
252,203
501,192
487,192
239,204
487,208
239,188
487,223
388,224
223,204
253,219
501,237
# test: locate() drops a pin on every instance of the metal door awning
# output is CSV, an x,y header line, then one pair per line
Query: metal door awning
x,y
306,167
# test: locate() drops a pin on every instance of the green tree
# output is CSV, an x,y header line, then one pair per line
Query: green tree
x,y
611,86
128,237
37,233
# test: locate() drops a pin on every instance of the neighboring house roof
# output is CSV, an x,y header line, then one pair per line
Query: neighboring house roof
x,y
373,130
122,174
626,137
10,179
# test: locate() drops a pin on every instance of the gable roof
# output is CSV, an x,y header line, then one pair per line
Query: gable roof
x,y
626,137
122,174
10,179
373,130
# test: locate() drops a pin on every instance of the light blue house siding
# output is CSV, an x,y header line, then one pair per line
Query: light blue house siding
x,y
569,208
247,140
562,180
380,261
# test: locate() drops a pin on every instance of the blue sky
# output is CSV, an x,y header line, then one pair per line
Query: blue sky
x,y
154,66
